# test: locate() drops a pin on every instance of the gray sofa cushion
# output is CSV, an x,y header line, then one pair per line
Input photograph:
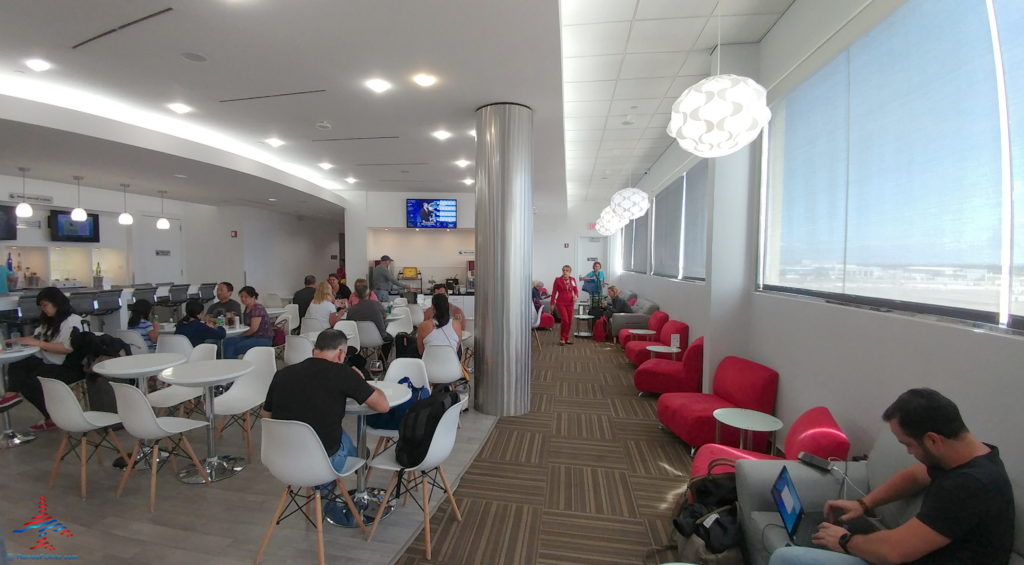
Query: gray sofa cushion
x,y
645,307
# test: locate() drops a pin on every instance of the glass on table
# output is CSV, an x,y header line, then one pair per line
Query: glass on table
x,y
376,368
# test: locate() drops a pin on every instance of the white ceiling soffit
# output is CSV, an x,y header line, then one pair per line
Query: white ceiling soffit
x,y
277,69
624,62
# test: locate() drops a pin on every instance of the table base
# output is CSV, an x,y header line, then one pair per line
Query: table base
x,y
12,438
217,468
367,503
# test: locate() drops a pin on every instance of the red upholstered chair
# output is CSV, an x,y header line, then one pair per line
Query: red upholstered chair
x,y
815,431
546,320
663,375
654,323
636,350
739,383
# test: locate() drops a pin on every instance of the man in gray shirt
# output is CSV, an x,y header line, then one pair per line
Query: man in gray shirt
x,y
367,310
383,280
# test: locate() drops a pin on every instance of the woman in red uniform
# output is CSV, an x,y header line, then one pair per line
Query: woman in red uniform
x,y
563,297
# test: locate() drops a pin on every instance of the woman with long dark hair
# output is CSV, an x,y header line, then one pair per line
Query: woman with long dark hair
x,y
260,332
441,329
139,322
53,338
194,328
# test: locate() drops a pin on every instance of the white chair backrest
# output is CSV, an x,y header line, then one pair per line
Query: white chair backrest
x,y
405,324
536,317
351,332
287,322
297,349
310,325
442,364
203,352
292,452
254,384
416,313
293,311
272,300
415,369
136,413
64,409
133,339
444,439
369,336
172,343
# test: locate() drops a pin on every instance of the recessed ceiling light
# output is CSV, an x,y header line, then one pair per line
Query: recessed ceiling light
x,y
194,57
180,108
423,79
182,176
325,166
467,181
462,163
378,85
38,65
273,142
323,125
441,134
351,180
272,199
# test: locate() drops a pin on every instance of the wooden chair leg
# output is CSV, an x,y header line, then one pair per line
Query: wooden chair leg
x,y
221,422
96,449
451,495
351,506
376,452
131,467
380,510
154,465
246,427
117,443
56,461
426,516
172,455
319,528
83,456
273,523
195,460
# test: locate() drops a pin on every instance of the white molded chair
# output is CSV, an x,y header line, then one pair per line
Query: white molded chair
x,y
425,474
173,343
351,331
297,349
400,301
402,325
536,325
292,452
416,313
399,368
292,311
272,300
443,365
247,393
310,325
203,352
66,412
132,338
139,421
370,339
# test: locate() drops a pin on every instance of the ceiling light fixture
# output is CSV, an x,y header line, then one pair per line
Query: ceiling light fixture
x,y
38,65
180,176
325,166
425,80
378,85
273,142
630,203
24,209
441,134
467,181
162,223
78,214
462,163
125,219
180,108
272,199
351,180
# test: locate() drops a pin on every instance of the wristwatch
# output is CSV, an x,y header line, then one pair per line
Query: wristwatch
x,y
844,540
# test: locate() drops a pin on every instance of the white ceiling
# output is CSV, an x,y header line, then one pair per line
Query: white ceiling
x,y
624,62
482,52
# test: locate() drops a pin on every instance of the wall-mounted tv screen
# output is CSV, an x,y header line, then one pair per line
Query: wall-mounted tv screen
x,y
431,213
63,228
8,223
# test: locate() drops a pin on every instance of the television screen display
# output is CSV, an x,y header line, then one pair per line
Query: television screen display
x,y
8,223
63,228
431,213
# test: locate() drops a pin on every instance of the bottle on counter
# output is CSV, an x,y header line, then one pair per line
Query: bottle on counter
x,y
10,262
99,271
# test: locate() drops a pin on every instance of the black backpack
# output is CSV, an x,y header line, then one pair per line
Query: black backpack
x,y
416,430
405,346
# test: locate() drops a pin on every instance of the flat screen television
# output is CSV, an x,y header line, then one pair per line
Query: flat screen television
x,y
8,223
63,228
431,213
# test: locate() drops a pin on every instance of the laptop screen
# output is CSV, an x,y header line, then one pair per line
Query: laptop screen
x,y
787,501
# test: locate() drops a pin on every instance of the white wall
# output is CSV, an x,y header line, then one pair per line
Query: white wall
x,y
434,252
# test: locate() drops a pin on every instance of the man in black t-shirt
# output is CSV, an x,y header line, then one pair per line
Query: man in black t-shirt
x,y
304,295
967,512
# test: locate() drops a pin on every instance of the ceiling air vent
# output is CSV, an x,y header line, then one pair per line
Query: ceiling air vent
x,y
120,27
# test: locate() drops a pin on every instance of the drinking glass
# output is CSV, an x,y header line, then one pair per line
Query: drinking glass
x,y
376,367
14,338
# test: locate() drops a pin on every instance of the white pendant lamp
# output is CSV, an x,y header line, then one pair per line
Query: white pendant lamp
x,y
125,219
78,214
611,219
630,203
24,209
162,223
604,229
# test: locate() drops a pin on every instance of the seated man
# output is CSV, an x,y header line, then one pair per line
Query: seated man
x,y
455,311
224,303
367,310
304,295
314,391
967,512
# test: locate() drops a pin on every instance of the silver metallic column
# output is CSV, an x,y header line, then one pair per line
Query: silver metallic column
x,y
504,255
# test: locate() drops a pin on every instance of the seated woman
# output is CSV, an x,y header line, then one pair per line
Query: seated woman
x,y
441,329
193,327
616,304
341,290
322,307
260,332
535,293
139,322
53,338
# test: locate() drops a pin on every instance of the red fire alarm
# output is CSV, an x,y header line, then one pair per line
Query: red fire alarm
x,y
234,233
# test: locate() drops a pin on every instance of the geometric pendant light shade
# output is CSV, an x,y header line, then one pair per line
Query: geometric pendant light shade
x,y
630,203
719,115
611,219
24,209
125,219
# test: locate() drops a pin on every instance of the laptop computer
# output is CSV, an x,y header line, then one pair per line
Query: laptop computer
x,y
798,522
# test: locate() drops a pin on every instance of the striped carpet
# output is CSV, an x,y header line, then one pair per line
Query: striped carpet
x,y
586,477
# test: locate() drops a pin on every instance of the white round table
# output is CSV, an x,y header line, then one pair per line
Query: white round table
x,y
232,331
209,374
663,349
747,421
138,367
10,437
367,500
584,318
644,334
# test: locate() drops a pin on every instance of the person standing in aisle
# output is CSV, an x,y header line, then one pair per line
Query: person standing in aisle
x,y
563,298
384,281
593,282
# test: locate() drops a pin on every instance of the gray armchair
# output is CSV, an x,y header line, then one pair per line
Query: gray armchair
x,y
638,319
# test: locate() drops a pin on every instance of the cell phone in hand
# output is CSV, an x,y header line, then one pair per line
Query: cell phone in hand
x,y
814,461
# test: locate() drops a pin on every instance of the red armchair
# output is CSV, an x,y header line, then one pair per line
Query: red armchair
x,y
739,383
663,375
654,323
636,350
815,431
